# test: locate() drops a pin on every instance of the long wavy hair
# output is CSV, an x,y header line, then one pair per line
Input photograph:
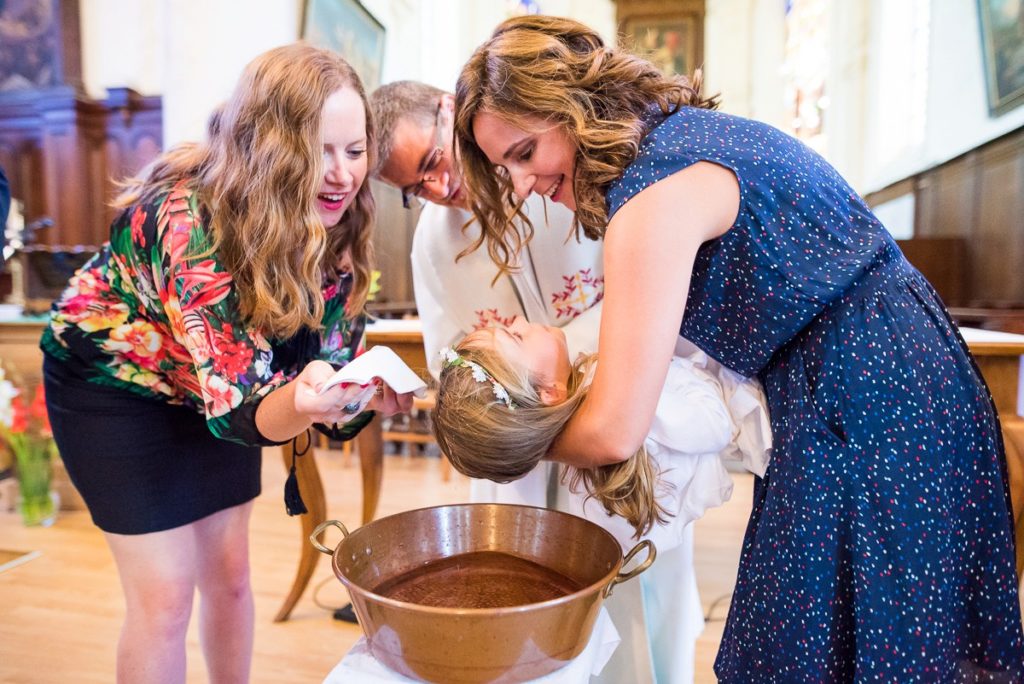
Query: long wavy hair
x,y
257,177
561,72
484,438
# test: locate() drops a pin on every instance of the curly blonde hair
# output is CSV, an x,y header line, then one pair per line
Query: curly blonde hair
x,y
258,175
561,72
484,438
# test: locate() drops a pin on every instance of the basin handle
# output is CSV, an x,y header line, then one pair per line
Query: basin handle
x,y
652,553
314,538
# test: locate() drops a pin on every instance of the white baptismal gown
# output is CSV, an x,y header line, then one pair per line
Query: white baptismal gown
x,y
706,415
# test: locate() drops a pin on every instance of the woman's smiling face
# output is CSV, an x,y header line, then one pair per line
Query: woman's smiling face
x,y
345,161
538,156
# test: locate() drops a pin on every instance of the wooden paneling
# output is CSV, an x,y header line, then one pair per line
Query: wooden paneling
x,y
998,238
62,153
946,200
977,197
943,261
392,243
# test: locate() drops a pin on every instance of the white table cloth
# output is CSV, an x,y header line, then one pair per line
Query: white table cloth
x,y
360,667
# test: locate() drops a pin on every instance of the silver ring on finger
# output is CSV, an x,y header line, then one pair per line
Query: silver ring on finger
x,y
350,408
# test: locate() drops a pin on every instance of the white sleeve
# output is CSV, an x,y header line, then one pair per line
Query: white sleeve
x,y
691,416
582,332
752,442
433,300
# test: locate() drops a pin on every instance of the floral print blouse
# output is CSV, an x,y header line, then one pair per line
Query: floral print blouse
x,y
147,316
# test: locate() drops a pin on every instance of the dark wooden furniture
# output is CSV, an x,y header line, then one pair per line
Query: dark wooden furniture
x,y
392,244
62,153
977,197
945,262
370,446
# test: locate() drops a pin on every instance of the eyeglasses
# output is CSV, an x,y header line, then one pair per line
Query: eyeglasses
x,y
413,197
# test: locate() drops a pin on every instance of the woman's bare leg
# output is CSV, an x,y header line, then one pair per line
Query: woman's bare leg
x,y
226,603
158,577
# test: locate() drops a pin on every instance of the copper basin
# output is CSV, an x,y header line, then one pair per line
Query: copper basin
x,y
455,645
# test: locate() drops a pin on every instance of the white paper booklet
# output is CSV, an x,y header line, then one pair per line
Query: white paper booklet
x,y
379,362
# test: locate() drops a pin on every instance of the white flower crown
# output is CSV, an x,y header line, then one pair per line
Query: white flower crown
x,y
452,358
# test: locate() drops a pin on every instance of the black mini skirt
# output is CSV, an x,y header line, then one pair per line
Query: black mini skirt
x,y
142,465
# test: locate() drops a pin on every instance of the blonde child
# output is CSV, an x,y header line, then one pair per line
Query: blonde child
x,y
506,392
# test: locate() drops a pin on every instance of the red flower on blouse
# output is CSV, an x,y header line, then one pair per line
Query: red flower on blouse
x,y
138,219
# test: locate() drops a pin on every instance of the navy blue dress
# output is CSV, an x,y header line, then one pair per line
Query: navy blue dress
x,y
880,547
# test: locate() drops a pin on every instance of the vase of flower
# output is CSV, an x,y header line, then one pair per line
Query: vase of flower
x,y
37,502
26,432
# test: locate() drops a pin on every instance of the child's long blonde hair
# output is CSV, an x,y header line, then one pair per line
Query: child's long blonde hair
x,y
484,438
561,72
258,176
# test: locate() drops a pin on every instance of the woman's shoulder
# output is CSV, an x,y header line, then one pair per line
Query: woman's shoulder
x,y
693,134
167,217
672,143
698,127
155,203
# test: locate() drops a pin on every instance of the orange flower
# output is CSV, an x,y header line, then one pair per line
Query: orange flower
x,y
138,219
19,416
37,412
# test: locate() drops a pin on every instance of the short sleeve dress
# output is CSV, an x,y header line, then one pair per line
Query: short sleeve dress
x,y
880,545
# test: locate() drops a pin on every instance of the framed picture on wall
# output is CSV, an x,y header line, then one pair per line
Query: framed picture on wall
x,y
1002,41
346,27
669,33
39,45
669,42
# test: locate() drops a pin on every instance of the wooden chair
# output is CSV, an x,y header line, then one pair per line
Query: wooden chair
x,y
944,262
417,429
369,445
371,461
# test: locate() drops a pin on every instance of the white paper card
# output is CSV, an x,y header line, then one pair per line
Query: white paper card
x,y
379,362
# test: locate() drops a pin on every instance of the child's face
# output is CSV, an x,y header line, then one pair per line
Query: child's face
x,y
541,348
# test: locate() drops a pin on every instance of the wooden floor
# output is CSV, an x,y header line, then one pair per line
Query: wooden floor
x,y
60,613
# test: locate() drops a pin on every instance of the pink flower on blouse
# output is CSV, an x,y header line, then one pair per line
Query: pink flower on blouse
x,y
220,396
138,219
139,341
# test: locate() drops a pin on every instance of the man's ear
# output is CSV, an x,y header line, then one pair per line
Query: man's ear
x,y
448,102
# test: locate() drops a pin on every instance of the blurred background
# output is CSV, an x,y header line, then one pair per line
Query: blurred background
x,y
914,101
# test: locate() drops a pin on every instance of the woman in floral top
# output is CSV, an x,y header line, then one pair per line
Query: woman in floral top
x,y
232,286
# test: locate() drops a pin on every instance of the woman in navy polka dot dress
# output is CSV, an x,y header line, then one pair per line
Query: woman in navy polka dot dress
x,y
880,545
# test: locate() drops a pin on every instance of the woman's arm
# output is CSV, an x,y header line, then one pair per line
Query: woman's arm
x,y
296,405
650,248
